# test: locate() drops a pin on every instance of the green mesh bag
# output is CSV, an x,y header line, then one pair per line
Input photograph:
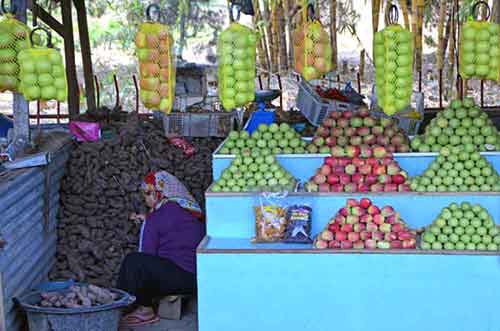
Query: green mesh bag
x,y
236,51
480,48
311,44
14,37
155,52
42,75
393,57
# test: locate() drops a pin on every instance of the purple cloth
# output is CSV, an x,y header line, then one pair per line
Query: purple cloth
x,y
173,233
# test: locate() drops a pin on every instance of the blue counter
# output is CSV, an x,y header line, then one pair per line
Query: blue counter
x,y
304,290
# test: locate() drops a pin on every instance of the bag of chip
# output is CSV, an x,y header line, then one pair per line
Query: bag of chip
x,y
270,218
298,224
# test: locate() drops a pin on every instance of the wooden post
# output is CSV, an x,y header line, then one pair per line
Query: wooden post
x,y
21,106
69,52
86,53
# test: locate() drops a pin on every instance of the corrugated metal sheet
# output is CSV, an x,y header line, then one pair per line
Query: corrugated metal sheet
x,y
30,251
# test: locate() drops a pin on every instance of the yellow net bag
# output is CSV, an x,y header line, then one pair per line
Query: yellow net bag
x,y
42,75
156,65
14,37
393,57
480,48
236,52
311,45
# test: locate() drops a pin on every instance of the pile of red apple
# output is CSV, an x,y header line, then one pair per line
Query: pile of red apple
x,y
362,225
359,129
359,169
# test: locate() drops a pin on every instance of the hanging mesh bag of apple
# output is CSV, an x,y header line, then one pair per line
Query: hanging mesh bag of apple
x,y
155,52
311,45
480,46
393,57
14,37
236,52
42,75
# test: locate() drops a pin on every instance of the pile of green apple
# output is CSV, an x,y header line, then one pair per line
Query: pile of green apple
x,y
458,169
236,51
393,57
255,171
277,139
462,123
462,227
480,50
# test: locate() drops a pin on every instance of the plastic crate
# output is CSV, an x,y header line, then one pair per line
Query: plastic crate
x,y
315,108
206,124
408,124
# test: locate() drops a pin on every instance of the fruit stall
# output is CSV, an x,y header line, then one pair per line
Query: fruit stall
x,y
371,221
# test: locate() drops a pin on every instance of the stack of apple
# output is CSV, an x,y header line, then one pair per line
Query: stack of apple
x,y
461,123
359,129
255,171
276,139
462,227
356,169
363,225
458,169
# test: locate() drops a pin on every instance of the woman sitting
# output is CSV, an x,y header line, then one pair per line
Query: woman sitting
x,y
166,261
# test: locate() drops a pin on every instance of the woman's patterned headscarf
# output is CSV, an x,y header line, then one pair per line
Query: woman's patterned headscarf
x,y
169,188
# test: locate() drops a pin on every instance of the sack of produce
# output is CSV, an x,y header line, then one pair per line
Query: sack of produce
x,y
311,45
14,37
42,75
480,48
156,64
393,57
236,51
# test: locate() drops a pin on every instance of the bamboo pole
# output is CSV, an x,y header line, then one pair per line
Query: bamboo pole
x,y
268,35
452,42
414,26
333,32
420,21
261,46
283,22
441,22
362,64
275,40
404,9
375,14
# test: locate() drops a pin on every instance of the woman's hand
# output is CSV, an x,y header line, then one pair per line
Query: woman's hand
x,y
137,217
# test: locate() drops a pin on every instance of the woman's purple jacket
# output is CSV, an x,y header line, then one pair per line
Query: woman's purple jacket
x,y
173,233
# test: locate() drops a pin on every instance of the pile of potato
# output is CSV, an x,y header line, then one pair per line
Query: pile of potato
x,y
78,297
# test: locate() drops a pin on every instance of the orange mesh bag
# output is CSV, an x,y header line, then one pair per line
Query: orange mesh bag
x,y
14,37
156,64
311,45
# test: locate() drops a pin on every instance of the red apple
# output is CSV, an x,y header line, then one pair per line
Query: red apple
x,y
378,169
350,188
329,122
343,161
346,227
390,236
378,235
357,211
344,211
349,132
337,188
365,169
352,203
337,132
340,236
339,218
405,235
384,179
337,151
389,160
372,227
377,130
325,170
331,141
398,227
392,219
370,244
325,187
404,188
343,123
373,210
353,236
410,243
398,179
334,244
319,179
357,178
350,169
321,244
372,161
396,244
369,139
377,188
390,187
393,168
334,228
338,170
386,228
358,244
358,162
346,244
319,141
382,141
356,141
347,114
331,161
366,151
362,187
363,113
333,179
358,227
365,235
371,179
344,179
335,115
366,218
322,132
326,235
378,219
363,132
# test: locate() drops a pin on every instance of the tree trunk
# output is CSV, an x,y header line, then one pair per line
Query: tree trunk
x,y
333,32
375,14
275,39
496,12
362,65
404,9
441,22
261,45
269,40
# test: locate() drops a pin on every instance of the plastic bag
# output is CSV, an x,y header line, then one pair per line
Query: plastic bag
x,y
14,37
298,224
313,54
480,48
156,65
42,75
393,57
85,131
236,51
270,217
